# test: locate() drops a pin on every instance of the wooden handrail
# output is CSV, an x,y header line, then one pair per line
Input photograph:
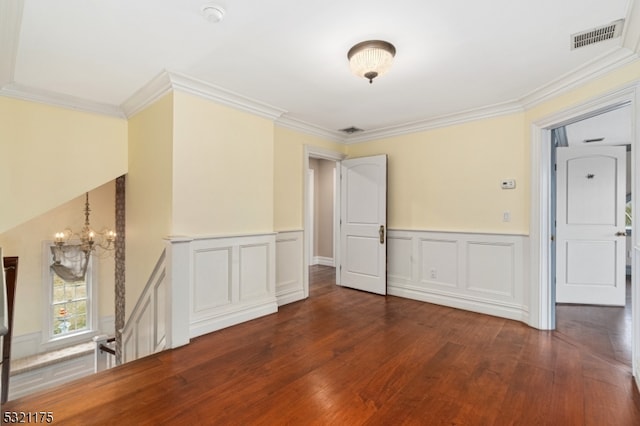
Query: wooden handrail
x,y
107,349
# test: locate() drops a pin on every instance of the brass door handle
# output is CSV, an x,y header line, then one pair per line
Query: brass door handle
x,y
621,234
381,233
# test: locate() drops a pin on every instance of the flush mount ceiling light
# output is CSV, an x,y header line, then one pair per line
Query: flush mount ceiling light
x,y
371,58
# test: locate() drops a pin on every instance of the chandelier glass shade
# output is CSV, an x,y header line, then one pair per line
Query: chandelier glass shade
x,y
370,59
72,250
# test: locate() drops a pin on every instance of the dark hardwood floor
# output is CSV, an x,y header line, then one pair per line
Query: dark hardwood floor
x,y
345,357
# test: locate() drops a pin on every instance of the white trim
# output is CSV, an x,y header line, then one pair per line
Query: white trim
x,y
50,342
289,264
311,151
541,308
324,261
10,23
477,272
169,80
311,201
152,91
309,128
25,93
497,110
607,62
241,286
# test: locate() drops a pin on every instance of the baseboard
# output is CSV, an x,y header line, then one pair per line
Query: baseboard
x,y
239,314
324,261
291,296
486,307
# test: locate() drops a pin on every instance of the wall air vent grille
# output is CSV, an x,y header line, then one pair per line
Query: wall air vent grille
x,y
351,130
596,35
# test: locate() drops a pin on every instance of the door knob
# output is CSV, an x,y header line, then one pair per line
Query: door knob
x,y
381,232
621,234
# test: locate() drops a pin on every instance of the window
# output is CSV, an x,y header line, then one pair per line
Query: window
x,y
69,303
70,314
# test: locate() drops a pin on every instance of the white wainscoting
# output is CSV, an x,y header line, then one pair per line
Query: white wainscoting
x,y
476,272
30,344
36,379
289,267
232,280
145,330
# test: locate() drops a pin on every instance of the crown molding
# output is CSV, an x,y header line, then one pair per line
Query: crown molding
x,y
615,58
217,94
490,111
10,22
26,93
153,90
167,81
608,62
311,129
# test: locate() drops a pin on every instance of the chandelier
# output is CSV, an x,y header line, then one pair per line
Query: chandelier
x,y
72,250
370,59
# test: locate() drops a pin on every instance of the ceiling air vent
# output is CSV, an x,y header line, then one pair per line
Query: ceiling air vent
x,y
351,130
596,35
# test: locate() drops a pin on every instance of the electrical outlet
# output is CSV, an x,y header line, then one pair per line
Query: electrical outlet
x,y
506,216
508,184
434,273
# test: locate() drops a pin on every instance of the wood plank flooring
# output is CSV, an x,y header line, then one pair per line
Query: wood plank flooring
x,y
345,357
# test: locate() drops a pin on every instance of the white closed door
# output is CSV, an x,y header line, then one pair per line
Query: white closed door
x,y
363,227
590,225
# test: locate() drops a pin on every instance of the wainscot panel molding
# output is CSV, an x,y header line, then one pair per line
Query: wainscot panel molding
x,y
47,376
30,344
145,331
230,280
476,272
289,267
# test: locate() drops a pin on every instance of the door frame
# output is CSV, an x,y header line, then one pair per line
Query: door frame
x,y
541,306
311,205
311,151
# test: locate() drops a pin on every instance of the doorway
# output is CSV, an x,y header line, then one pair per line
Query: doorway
x,y
542,302
591,268
321,198
313,158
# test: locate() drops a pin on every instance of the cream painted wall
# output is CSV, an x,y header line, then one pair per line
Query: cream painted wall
x,y
149,190
223,169
289,164
448,179
44,151
26,242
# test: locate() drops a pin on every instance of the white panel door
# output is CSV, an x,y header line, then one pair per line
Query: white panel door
x,y
363,226
590,229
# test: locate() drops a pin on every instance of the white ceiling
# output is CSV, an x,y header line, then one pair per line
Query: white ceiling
x,y
452,56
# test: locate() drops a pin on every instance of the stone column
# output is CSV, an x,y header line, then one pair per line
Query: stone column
x,y
120,265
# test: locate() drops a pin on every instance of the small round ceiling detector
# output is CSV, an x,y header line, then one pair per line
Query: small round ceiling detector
x,y
212,12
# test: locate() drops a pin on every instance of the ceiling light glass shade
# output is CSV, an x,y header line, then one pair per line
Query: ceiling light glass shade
x,y
371,59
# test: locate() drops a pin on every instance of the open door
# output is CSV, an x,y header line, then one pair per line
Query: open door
x,y
363,224
591,225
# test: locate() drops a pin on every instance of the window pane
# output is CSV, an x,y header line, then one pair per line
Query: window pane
x,y
69,308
